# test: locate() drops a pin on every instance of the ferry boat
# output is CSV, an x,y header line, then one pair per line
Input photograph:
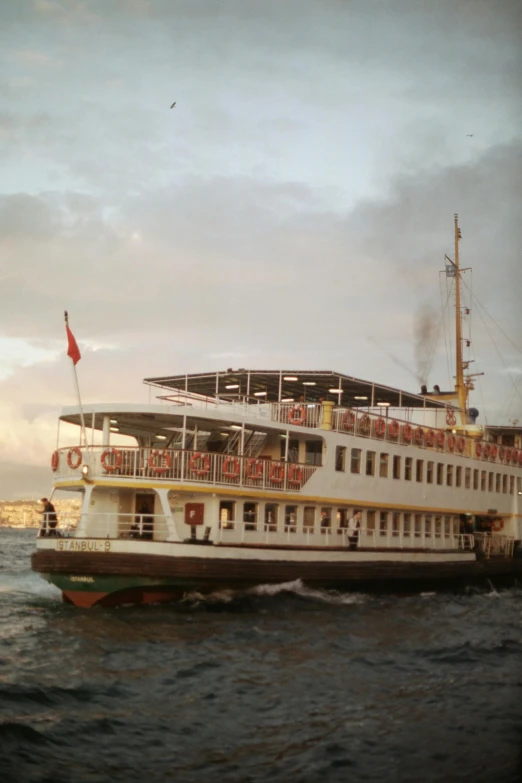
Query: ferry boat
x,y
244,477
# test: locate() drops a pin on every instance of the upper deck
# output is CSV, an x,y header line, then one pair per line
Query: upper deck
x,y
311,386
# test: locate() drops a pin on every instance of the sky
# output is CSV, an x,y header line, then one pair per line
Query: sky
x,y
292,211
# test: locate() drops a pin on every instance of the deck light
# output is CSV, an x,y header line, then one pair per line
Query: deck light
x,y
290,378
260,394
235,426
309,383
384,404
115,429
114,421
335,391
360,398
287,399
232,386
161,437
85,470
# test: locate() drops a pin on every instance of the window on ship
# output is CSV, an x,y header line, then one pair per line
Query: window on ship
x,y
314,452
440,473
420,470
449,475
458,476
383,465
290,519
342,518
429,472
383,523
227,514
370,463
475,479
396,467
483,480
497,483
340,458
271,514
408,466
326,518
250,516
355,465
309,518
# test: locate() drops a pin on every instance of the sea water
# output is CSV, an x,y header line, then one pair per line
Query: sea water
x,y
280,683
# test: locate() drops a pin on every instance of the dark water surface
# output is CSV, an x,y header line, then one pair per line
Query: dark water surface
x,y
279,684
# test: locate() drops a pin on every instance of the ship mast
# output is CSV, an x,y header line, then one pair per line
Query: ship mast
x,y
460,386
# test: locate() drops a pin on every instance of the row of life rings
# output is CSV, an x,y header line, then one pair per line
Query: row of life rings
x,y
160,461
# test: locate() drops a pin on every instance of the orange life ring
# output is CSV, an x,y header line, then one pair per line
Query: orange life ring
x,y
297,415
231,467
254,469
461,443
514,456
478,448
430,438
451,419
486,450
364,423
451,443
509,454
280,469
295,475
74,464
419,436
497,525
501,452
407,433
348,420
393,429
200,469
55,460
441,438
380,427
116,463
162,464
520,457
494,450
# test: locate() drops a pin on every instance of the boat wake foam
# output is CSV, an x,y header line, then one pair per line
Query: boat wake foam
x,y
295,587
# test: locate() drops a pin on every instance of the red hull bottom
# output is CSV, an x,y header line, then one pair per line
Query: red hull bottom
x,y
86,599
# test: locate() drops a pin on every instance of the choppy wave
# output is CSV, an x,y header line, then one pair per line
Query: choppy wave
x,y
276,683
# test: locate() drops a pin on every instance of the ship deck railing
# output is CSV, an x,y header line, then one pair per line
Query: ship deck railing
x,y
495,545
164,528
182,465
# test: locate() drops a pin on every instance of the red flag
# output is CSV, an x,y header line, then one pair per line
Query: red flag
x,y
72,348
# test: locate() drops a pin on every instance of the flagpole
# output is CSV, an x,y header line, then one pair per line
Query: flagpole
x,y
83,433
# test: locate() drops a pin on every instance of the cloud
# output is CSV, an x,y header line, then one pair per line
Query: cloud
x,y
294,211
34,58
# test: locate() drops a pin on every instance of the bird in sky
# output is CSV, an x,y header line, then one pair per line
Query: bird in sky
x,y
173,105
467,134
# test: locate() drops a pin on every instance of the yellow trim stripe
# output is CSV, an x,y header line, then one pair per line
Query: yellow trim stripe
x,y
297,498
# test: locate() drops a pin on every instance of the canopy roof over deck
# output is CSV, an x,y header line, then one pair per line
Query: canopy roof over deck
x,y
255,386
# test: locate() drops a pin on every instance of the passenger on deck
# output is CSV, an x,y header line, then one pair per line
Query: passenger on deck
x,y
50,520
354,526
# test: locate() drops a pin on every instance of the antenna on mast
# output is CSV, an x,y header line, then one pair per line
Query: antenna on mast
x,y
460,386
